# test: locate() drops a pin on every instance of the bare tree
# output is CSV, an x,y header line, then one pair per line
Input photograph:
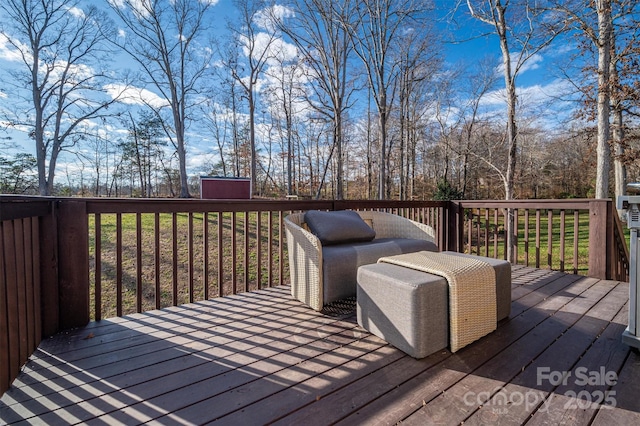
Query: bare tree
x,y
419,63
319,33
163,37
526,32
231,100
254,37
219,129
605,28
375,36
610,29
285,94
59,87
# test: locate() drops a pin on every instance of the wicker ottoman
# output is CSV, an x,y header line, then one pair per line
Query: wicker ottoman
x,y
502,268
410,309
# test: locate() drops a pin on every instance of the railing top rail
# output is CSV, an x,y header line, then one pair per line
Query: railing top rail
x,y
18,207
576,204
156,205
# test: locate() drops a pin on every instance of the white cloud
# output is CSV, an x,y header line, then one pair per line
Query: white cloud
x,y
533,63
12,54
264,18
138,7
544,92
7,51
116,3
77,12
547,103
136,96
276,50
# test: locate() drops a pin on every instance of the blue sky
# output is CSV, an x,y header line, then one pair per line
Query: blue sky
x,y
536,83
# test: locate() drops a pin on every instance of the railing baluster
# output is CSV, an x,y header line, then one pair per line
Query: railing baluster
x,y
281,247
205,254
486,232
538,248
526,237
37,291
18,241
505,218
550,238
576,234
157,266
220,256
496,232
10,337
478,234
258,249
246,251
470,231
270,251
174,239
562,238
119,264
190,256
234,253
138,262
29,284
516,225
97,288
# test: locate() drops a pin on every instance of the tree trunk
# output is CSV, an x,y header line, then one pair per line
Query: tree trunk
x,y
382,167
337,140
617,130
252,140
604,59
512,133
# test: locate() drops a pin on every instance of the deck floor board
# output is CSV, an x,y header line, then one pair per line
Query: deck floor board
x,y
264,358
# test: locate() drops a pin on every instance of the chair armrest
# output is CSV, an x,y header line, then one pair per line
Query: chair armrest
x,y
389,225
305,262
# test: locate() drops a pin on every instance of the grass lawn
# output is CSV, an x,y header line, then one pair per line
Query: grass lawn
x,y
552,247
174,271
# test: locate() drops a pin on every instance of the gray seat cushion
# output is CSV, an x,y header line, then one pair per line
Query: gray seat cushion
x,y
341,262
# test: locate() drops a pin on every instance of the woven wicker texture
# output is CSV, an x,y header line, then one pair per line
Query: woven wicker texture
x,y
305,262
305,250
472,292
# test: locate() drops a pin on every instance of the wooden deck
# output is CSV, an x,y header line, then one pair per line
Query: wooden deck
x,y
263,357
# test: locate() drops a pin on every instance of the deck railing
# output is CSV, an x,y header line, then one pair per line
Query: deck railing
x,y
576,236
65,261
148,254
23,260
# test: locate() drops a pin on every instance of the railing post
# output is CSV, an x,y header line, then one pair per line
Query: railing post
x,y
49,294
73,263
455,226
600,239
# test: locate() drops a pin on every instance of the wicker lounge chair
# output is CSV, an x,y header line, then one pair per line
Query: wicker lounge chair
x,y
323,274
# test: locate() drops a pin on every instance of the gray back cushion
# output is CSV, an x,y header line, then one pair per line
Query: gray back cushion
x,y
338,227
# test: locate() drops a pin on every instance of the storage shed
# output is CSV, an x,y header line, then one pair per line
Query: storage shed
x,y
216,187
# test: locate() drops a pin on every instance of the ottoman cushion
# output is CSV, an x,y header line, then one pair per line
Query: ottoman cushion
x,y
405,307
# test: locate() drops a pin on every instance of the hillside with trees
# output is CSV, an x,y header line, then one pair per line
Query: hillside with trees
x,y
320,99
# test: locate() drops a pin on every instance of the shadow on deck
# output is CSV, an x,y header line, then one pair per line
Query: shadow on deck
x,y
262,357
